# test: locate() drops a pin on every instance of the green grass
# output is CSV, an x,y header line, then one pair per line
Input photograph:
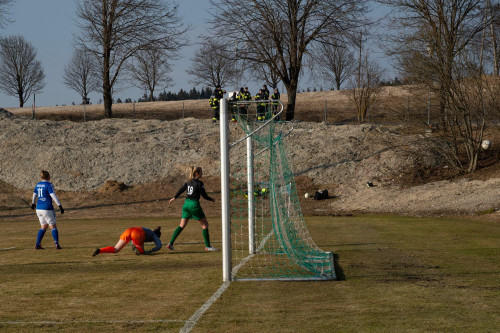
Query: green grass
x,y
396,274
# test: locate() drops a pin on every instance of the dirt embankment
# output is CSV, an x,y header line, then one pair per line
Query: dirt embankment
x,y
133,166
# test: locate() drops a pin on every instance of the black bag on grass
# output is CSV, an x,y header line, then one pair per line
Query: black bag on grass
x,y
321,194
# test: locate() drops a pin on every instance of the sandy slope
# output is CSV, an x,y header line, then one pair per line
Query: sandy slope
x,y
83,156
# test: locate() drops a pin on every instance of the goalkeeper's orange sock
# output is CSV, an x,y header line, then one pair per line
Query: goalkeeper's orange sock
x,y
108,249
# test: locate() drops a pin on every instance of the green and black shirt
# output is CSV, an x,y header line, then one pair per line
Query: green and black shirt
x,y
195,188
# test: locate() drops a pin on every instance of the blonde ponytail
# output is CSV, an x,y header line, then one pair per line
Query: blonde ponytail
x,y
193,171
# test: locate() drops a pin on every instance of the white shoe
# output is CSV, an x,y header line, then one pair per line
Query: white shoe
x,y
211,249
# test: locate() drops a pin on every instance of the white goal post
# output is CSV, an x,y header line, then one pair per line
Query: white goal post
x,y
264,236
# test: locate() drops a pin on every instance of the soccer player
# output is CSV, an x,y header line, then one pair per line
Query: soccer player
x,y
138,236
192,207
44,190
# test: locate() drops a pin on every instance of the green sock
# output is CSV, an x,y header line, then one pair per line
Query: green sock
x,y
206,237
177,232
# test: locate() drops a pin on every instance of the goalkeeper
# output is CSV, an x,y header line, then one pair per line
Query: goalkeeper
x,y
192,208
138,236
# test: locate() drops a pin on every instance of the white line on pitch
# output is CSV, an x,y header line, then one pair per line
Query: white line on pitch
x,y
191,322
8,248
91,322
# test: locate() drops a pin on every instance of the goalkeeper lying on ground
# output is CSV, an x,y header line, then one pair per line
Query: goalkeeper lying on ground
x,y
138,236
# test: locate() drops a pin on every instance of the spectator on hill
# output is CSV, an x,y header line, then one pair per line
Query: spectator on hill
x,y
265,92
218,95
215,105
275,97
261,106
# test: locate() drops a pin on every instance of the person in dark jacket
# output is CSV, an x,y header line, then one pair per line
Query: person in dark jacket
x,y
275,97
244,95
215,102
261,106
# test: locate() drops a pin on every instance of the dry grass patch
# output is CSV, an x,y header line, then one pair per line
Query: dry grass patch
x,y
397,274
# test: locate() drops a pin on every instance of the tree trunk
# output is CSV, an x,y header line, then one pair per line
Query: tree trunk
x,y
290,106
20,95
106,91
442,106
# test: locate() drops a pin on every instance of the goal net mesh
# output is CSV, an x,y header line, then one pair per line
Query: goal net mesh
x,y
269,237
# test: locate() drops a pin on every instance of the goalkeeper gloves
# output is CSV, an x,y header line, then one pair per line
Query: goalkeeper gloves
x,y
62,209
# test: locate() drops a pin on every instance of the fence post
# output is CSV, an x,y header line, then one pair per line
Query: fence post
x,y
429,109
407,118
325,111
33,108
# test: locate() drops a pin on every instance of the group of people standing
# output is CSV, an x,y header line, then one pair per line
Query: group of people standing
x,y
265,105
44,194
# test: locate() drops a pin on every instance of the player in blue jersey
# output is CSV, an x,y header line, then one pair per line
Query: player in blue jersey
x,y
44,191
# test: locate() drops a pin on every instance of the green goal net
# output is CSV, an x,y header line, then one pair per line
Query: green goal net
x,y
268,236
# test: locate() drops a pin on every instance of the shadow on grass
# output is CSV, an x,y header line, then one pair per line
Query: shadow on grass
x,y
86,207
339,272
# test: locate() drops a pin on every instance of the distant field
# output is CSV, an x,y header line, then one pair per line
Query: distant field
x,y
394,105
397,274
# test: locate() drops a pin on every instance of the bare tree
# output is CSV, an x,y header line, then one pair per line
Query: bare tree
x,y
115,30
262,71
474,98
81,73
493,11
213,64
364,86
4,13
22,75
149,69
444,50
283,28
433,35
334,62
264,74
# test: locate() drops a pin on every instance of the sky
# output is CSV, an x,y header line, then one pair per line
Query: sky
x,y
49,25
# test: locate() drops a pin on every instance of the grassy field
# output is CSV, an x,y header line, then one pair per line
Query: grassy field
x,y
397,274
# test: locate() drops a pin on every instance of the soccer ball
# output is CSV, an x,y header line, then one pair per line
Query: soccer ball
x,y
486,144
306,195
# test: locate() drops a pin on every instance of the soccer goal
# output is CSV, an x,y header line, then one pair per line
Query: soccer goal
x,y
264,233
